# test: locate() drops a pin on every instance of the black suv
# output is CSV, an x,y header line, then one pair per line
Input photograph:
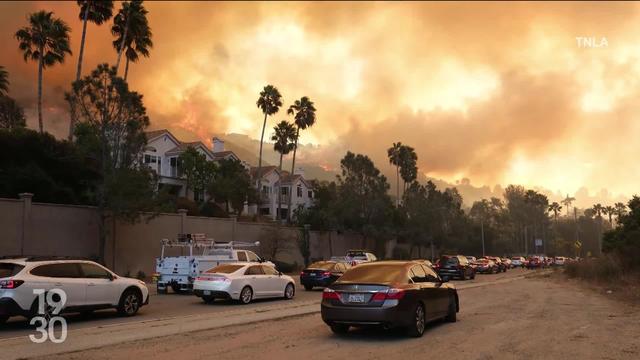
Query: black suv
x,y
455,266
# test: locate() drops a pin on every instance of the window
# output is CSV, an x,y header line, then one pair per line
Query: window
x,y
9,269
417,274
310,194
284,190
376,273
254,270
62,270
94,271
431,275
299,191
242,256
324,265
269,270
252,256
266,189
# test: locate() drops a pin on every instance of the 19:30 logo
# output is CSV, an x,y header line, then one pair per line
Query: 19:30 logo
x,y
50,303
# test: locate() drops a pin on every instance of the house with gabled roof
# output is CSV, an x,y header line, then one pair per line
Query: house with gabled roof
x,y
277,186
162,152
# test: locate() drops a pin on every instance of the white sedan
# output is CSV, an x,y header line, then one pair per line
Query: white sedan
x,y
243,282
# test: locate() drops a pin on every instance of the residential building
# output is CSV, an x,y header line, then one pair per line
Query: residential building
x,y
295,185
162,152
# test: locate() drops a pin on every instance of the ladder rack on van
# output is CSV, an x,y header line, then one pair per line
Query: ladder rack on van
x,y
191,241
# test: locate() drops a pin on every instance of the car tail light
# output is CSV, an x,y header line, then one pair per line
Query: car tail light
x,y
329,294
391,294
10,284
326,273
301,273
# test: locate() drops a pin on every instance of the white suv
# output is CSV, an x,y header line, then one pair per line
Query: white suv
x,y
87,285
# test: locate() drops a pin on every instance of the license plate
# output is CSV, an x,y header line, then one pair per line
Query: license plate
x,y
207,292
356,298
312,274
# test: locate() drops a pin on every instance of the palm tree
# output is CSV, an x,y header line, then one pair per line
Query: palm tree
x,y
304,117
621,210
567,203
610,211
130,22
45,40
97,12
408,167
269,102
555,208
598,209
284,139
138,45
395,159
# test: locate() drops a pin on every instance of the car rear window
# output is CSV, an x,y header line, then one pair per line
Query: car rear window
x,y
449,260
321,265
376,274
9,269
225,269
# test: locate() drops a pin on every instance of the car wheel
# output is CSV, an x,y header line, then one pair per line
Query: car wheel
x,y
419,322
339,328
3,319
208,299
452,313
246,295
289,291
176,289
308,287
473,275
463,276
130,302
161,290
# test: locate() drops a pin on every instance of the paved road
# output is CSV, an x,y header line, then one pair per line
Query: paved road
x,y
530,318
177,305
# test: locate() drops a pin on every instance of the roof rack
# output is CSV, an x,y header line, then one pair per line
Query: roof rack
x,y
52,258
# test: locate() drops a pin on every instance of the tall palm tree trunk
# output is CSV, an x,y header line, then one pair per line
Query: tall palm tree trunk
x,y
293,166
279,189
40,68
397,185
126,69
124,37
72,117
259,172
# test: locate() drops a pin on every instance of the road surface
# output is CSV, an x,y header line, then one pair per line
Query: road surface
x,y
502,316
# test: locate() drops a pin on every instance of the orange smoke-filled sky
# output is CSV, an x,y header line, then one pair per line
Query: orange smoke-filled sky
x,y
496,92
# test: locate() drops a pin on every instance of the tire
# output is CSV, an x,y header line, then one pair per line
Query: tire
x,y
463,276
289,291
473,275
130,302
176,289
33,311
161,291
308,287
208,299
452,313
246,295
339,329
3,319
419,322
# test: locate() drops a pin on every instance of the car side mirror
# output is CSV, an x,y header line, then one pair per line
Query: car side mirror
x,y
279,273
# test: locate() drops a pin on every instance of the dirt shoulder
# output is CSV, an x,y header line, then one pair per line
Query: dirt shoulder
x,y
537,317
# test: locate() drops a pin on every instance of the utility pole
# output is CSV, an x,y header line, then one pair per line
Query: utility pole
x,y
575,217
482,228
526,246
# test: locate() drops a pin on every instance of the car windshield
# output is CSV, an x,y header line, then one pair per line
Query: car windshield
x,y
9,269
378,273
325,265
225,269
448,260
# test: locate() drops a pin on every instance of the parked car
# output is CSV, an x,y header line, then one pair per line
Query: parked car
x,y
243,282
517,261
87,285
391,294
355,257
534,263
486,266
507,262
425,262
502,267
322,273
454,266
559,261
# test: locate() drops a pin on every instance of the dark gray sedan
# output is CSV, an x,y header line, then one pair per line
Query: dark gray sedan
x,y
391,294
